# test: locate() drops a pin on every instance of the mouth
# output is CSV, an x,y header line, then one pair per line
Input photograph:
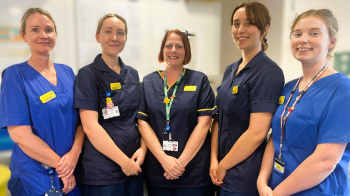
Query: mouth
x,y
44,43
304,49
114,45
242,39
173,57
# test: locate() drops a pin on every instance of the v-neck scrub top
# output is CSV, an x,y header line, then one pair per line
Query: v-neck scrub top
x,y
54,122
91,85
185,110
322,115
256,88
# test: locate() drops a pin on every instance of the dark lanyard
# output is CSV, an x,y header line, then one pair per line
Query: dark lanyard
x,y
285,117
169,102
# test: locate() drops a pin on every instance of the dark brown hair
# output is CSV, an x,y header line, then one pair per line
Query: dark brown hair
x,y
259,16
185,41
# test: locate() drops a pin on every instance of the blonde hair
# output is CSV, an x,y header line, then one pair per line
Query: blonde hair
x,y
329,20
99,25
31,11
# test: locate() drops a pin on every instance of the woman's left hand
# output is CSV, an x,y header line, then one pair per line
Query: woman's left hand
x,y
139,155
69,183
221,172
67,164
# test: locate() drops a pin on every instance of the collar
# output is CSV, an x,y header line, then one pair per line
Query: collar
x,y
100,64
255,60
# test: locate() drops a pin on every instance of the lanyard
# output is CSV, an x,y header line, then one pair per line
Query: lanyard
x,y
285,117
168,102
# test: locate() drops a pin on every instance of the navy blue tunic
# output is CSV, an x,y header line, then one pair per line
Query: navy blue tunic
x,y
259,85
91,85
185,110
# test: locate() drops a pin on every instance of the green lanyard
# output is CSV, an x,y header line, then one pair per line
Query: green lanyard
x,y
168,102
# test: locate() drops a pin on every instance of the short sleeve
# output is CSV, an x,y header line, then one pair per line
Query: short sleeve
x,y
86,94
334,125
142,113
206,102
13,100
266,89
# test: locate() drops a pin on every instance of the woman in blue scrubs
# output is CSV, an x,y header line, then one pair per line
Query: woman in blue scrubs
x,y
37,109
309,151
246,99
174,118
107,94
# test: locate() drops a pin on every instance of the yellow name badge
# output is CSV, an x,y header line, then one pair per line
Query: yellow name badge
x,y
115,86
281,100
190,88
47,97
235,90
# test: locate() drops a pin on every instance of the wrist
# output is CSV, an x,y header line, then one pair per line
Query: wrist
x,y
221,165
183,161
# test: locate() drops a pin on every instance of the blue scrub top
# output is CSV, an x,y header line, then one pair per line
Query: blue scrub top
x,y
54,122
185,110
259,85
321,116
91,85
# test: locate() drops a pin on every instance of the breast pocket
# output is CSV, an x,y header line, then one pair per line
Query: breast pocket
x,y
239,102
301,132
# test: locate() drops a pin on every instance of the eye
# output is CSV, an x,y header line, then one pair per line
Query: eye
x,y
315,33
236,25
248,24
297,34
120,33
109,32
49,30
168,46
35,30
179,47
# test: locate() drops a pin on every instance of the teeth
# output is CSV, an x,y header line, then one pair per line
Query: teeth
x,y
241,38
173,57
304,49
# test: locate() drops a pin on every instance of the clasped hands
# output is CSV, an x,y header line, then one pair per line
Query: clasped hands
x,y
172,167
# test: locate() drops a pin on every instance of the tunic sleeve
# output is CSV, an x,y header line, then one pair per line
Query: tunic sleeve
x,y
334,125
86,93
206,102
142,113
266,89
13,98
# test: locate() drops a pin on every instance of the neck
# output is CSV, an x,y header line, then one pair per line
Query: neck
x,y
40,62
173,71
111,61
310,70
248,55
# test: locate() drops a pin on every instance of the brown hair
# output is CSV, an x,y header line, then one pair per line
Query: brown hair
x,y
329,20
31,11
259,16
185,41
99,25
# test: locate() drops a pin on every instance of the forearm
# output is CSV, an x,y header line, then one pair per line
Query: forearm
x,y
196,140
317,167
78,141
214,139
143,145
151,139
241,150
266,164
104,143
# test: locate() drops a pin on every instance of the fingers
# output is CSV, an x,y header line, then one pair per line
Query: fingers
x,y
61,160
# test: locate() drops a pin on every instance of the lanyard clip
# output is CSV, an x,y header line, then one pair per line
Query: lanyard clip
x,y
167,127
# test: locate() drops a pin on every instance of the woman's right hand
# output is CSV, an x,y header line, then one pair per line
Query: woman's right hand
x,y
172,167
264,190
131,168
213,174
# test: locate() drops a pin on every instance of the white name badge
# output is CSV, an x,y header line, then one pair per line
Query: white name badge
x,y
110,113
170,146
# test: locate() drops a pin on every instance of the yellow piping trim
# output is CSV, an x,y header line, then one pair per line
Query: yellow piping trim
x,y
206,109
167,83
143,114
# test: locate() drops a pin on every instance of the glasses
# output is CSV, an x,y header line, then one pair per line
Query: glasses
x,y
182,31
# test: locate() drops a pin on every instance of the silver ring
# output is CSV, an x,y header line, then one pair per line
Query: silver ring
x,y
69,187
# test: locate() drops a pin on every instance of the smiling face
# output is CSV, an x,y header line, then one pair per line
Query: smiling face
x,y
112,36
40,34
310,40
174,51
246,36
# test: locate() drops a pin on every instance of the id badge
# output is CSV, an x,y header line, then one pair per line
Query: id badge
x,y
53,192
110,113
279,166
172,146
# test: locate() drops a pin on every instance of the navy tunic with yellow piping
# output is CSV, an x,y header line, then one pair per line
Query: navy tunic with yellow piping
x,y
91,85
194,98
256,88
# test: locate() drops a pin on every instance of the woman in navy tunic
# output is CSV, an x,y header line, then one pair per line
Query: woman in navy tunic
x,y
37,109
247,99
309,151
174,118
107,94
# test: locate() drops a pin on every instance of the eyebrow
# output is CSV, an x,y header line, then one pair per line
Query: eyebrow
x,y
39,26
112,28
319,29
238,20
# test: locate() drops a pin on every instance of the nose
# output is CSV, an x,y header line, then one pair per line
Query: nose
x,y
173,49
115,37
304,39
241,28
43,34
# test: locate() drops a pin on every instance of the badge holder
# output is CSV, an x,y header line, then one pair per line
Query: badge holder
x,y
110,111
279,166
53,191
